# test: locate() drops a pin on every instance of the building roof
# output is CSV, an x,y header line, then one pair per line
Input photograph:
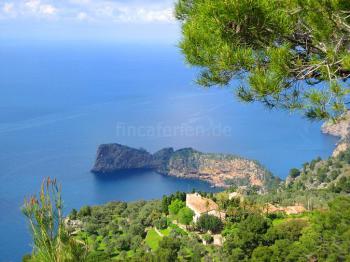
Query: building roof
x,y
234,195
200,204
297,209
272,208
289,210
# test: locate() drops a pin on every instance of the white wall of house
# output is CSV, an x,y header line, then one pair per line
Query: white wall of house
x,y
218,214
196,214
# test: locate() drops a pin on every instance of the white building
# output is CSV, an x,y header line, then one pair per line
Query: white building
x,y
235,195
201,205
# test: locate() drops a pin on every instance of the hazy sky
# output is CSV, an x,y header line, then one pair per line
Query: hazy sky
x,y
102,20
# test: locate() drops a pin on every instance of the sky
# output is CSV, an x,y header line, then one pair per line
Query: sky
x,y
88,20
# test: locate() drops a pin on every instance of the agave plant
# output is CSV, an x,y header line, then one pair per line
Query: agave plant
x,y
51,240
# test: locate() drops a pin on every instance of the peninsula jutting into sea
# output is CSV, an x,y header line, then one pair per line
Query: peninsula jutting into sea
x,y
220,170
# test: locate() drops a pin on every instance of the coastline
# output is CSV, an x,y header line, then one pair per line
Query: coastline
x,y
341,130
219,170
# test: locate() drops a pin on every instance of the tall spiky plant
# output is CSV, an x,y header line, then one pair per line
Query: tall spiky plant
x,y
51,241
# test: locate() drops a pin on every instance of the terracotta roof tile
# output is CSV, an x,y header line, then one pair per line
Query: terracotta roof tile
x,y
200,204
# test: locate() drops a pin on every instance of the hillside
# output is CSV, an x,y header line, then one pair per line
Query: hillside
x,y
164,230
333,174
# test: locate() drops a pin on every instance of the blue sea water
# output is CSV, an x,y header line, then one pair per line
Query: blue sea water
x,y
58,102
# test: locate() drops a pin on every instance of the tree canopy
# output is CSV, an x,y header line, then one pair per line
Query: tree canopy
x,y
176,206
119,231
209,222
289,54
185,216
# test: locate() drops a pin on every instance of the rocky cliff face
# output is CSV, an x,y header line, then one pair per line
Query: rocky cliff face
x,y
161,160
339,129
218,169
115,157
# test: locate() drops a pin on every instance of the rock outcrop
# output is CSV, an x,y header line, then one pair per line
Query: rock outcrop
x,y
339,129
114,157
218,169
161,159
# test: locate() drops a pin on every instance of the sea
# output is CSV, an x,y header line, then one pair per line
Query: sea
x,y
59,101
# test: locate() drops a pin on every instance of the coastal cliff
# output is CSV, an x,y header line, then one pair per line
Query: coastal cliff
x,y
114,157
221,170
340,129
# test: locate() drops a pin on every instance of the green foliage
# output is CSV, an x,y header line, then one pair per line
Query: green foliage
x,y
322,236
26,258
185,216
84,211
73,214
294,172
290,229
332,174
168,249
121,231
98,257
52,243
152,239
280,50
247,234
328,237
175,206
345,156
341,186
161,223
262,254
166,200
209,222
208,238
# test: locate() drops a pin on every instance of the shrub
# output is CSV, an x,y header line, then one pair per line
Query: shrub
x,y
161,223
208,238
84,211
209,222
261,254
185,216
175,206
294,172
73,214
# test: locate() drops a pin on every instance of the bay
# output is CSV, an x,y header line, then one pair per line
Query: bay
x,y
60,101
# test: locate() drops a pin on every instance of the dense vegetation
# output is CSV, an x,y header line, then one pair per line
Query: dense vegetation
x,y
250,234
163,230
126,231
290,54
333,173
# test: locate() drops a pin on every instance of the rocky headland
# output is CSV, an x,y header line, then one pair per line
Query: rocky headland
x,y
220,170
340,129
